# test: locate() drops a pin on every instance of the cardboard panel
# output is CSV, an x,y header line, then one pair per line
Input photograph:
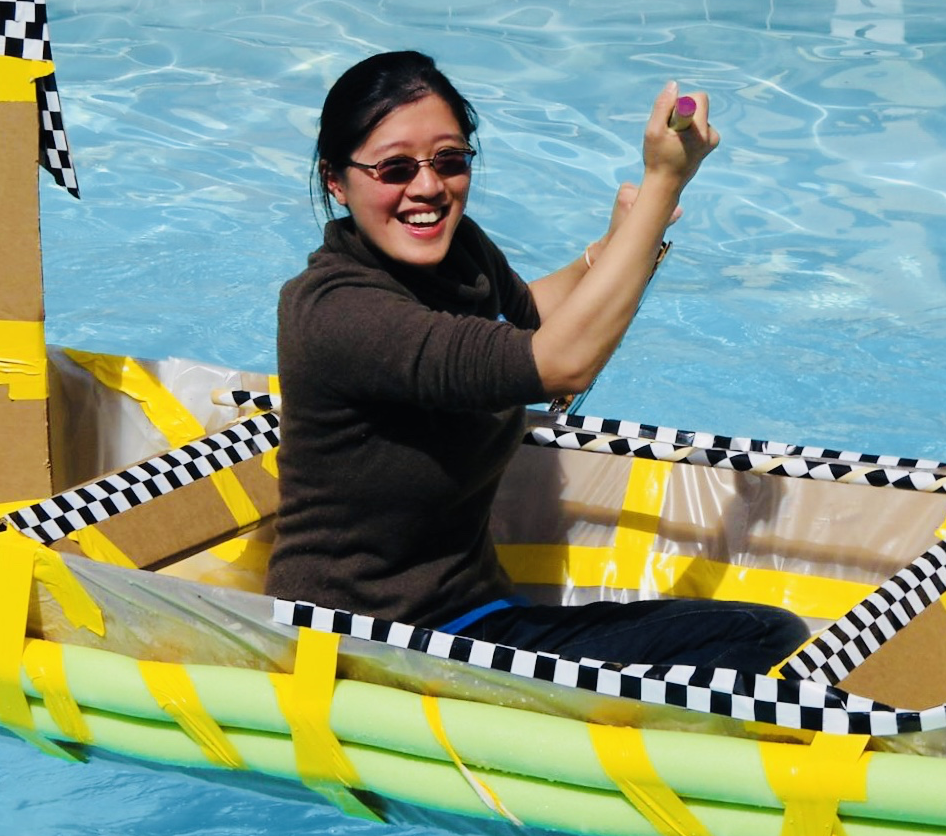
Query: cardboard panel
x,y
186,521
909,670
24,456
21,290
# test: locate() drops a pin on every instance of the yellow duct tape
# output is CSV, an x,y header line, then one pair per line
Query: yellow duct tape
x,y
250,554
174,692
16,580
624,758
269,463
98,547
9,507
235,497
169,416
640,512
23,360
44,665
485,794
812,780
305,699
125,375
590,566
50,569
17,77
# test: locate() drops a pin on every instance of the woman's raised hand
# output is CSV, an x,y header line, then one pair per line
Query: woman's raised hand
x,y
677,154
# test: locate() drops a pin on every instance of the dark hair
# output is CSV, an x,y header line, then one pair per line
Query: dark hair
x,y
365,94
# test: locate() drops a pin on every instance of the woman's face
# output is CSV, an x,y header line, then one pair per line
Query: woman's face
x,y
412,222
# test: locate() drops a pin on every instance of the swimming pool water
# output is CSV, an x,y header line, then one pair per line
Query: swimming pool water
x,y
802,301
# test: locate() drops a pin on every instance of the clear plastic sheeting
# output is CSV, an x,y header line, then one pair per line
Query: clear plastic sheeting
x,y
575,526
99,425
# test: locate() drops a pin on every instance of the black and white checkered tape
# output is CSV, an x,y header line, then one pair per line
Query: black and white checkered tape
x,y
790,703
24,33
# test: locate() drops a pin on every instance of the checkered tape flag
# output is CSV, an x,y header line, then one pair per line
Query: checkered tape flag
x,y
24,33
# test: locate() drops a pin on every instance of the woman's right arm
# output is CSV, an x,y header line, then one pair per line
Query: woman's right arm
x,y
579,336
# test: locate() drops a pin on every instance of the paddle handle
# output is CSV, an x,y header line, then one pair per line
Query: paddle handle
x,y
682,114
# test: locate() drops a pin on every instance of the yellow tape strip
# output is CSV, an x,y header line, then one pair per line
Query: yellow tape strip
x,y
174,692
44,665
169,416
596,566
485,794
23,360
125,375
249,554
15,505
640,511
16,580
17,77
624,758
305,698
235,497
50,569
589,566
98,547
269,463
812,780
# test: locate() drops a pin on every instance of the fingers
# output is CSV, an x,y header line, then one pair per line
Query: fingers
x,y
663,106
627,194
624,202
678,153
700,120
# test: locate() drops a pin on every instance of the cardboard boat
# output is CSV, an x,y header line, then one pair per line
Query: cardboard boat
x,y
136,515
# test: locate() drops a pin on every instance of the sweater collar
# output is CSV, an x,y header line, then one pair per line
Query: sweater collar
x,y
458,278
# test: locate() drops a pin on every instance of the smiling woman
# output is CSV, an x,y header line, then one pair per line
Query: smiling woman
x,y
409,331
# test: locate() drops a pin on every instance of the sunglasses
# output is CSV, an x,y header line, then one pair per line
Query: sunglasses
x,y
399,170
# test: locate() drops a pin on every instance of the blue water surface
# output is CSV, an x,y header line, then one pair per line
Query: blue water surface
x,y
803,300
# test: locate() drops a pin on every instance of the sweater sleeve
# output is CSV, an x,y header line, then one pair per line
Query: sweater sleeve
x,y
369,342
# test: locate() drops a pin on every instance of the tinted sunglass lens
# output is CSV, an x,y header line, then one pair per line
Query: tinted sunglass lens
x,y
397,171
400,170
451,163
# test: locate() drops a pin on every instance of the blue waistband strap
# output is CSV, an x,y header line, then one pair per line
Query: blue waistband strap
x,y
475,615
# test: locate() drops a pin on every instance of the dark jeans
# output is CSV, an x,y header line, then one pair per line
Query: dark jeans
x,y
724,634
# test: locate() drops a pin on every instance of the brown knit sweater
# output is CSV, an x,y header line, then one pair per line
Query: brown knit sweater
x,y
402,404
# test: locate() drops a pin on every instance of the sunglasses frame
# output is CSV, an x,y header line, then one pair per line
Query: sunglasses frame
x,y
377,168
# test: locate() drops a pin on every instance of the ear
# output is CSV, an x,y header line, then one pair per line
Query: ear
x,y
333,182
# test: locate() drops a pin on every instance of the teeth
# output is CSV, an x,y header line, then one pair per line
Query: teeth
x,y
423,218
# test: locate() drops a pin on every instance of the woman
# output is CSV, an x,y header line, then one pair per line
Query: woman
x,y
407,351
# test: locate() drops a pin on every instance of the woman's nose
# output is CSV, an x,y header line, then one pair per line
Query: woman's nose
x,y
426,181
